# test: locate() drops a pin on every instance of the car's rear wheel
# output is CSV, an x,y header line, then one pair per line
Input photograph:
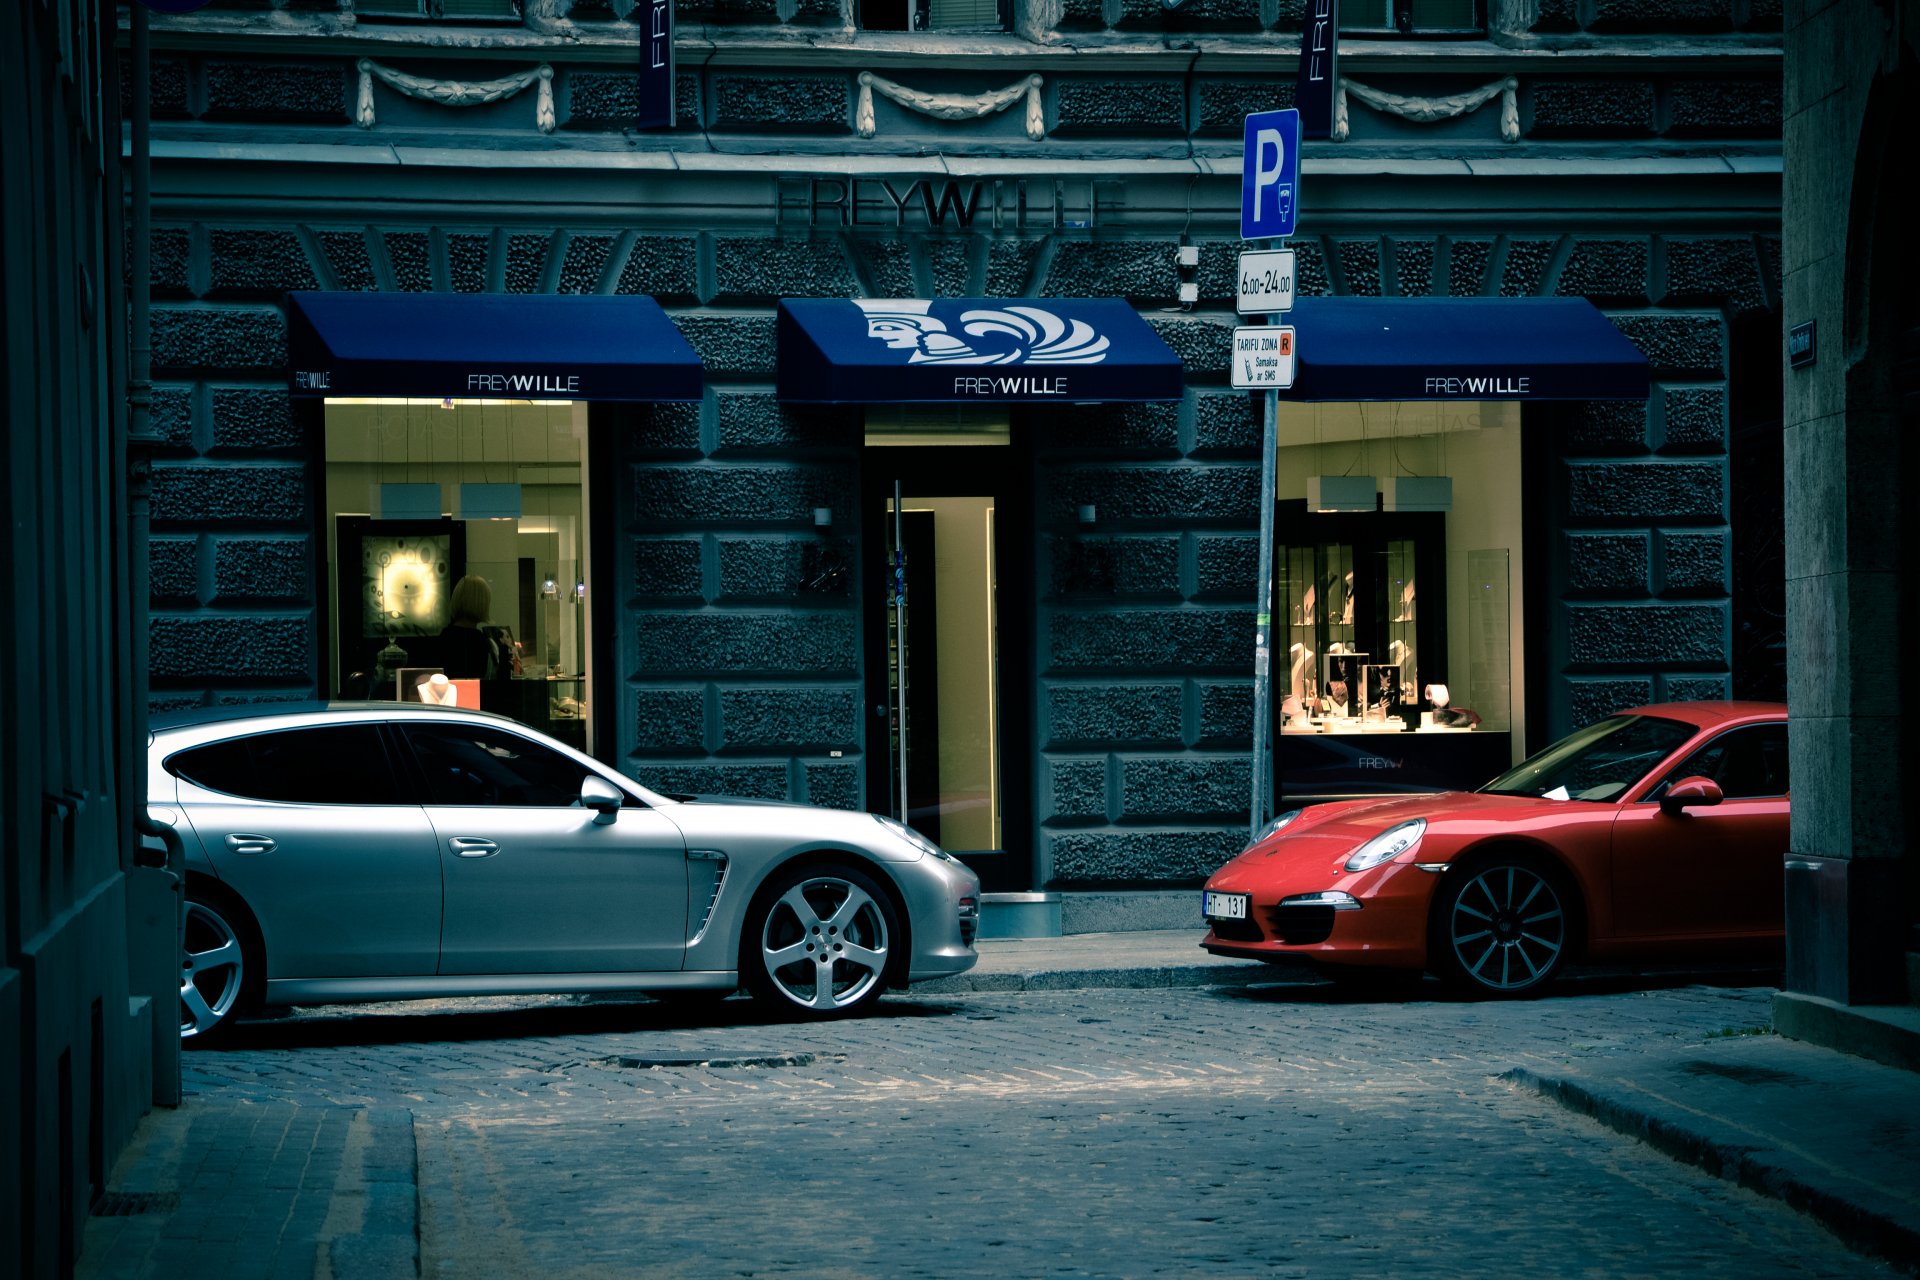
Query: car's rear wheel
x,y
818,943
1502,928
219,967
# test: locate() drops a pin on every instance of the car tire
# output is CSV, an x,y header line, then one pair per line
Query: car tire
x,y
1502,928
819,942
221,971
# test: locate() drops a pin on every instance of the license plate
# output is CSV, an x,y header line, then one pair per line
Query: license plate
x,y
1223,906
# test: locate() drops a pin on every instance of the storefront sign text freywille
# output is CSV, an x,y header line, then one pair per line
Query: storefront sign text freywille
x,y
943,204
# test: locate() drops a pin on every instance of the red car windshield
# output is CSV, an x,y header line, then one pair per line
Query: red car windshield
x,y
1598,762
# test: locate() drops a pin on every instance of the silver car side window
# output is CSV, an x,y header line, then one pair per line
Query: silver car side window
x,y
325,764
478,765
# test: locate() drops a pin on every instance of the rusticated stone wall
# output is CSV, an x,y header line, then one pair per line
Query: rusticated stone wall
x,y
738,643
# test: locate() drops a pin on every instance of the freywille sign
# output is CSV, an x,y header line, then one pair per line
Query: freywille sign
x,y
939,350
487,346
942,204
656,68
1319,68
523,384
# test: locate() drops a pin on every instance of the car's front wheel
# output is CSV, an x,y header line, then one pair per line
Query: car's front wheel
x,y
1502,928
818,944
218,963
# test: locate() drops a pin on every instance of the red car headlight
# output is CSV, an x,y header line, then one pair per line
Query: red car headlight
x,y
1389,844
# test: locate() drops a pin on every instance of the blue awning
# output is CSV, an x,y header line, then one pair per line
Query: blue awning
x,y
1461,349
970,351
488,346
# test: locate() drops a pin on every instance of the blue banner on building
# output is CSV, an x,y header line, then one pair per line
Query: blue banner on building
x,y
970,350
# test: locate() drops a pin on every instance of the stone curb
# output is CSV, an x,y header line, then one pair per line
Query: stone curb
x,y
1756,1169
1141,976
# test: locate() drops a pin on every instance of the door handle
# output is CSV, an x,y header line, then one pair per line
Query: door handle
x,y
250,844
472,847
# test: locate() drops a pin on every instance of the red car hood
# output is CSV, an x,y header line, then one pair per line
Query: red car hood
x,y
1320,839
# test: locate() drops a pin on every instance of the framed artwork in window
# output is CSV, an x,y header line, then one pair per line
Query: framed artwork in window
x,y
395,585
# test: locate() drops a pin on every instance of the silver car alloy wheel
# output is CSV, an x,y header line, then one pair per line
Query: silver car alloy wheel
x,y
1507,927
824,943
212,970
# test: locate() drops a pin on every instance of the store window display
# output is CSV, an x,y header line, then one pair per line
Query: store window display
x,y
1397,623
458,543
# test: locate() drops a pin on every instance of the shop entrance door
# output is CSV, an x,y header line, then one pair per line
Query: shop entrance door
x,y
947,583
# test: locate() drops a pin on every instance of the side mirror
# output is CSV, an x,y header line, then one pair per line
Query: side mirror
x,y
601,796
1691,792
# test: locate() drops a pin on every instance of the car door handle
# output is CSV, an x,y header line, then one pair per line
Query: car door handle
x,y
472,847
250,844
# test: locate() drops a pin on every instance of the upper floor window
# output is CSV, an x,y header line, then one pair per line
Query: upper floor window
x,y
441,10
1413,17
934,15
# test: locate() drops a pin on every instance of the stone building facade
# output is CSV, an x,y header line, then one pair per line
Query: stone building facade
x,y
1624,152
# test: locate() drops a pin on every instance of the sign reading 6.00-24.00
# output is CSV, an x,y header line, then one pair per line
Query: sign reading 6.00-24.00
x,y
1263,357
1266,282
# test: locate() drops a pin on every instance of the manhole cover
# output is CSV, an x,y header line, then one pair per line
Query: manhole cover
x,y
128,1204
715,1063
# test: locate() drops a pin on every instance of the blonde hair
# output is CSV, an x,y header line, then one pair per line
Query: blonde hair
x,y
472,600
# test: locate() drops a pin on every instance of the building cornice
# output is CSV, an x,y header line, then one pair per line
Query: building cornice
x,y
771,48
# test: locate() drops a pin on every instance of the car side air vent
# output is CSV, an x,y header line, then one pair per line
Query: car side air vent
x,y
715,864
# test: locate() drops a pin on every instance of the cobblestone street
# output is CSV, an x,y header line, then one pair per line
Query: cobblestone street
x,y
1282,1130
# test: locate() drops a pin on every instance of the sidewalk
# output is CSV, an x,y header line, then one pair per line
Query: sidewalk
x,y
1150,958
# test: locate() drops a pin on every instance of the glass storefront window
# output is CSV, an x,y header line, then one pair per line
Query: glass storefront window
x,y
1397,601
458,548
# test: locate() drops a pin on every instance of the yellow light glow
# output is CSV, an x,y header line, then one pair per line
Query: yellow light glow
x,y
408,589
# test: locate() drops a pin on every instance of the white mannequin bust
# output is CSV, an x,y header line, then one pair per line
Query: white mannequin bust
x,y
439,691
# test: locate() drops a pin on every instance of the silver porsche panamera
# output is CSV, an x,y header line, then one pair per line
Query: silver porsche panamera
x,y
383,851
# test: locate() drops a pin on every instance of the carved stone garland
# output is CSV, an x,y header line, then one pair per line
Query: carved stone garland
x,y
951,106
1427,110
455,93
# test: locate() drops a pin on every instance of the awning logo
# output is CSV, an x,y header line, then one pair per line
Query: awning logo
x,y
1009,335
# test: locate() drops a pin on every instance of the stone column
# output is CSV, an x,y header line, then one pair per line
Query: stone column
x,y
1847,897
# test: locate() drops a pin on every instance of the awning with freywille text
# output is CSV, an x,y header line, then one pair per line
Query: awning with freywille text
x,y
488,346
970,351
1461,349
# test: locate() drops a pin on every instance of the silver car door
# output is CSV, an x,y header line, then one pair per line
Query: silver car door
x,y
533,883
309,827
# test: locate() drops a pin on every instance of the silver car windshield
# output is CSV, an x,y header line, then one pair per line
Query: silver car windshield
x,y
1599,762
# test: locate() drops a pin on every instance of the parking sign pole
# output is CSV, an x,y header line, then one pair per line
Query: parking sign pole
x,y
1263,621
1263,359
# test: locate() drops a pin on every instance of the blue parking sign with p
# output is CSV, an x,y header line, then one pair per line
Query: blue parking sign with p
x,y
1270,175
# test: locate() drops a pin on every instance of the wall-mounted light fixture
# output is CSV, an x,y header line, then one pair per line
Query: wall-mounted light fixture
x,y
1416,493
487,502
404,501
1087,513
1340,493
823,517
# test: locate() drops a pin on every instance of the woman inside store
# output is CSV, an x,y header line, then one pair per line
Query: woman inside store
x,y
470,653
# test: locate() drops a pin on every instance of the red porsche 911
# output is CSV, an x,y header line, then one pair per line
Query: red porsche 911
x,y
1660,832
